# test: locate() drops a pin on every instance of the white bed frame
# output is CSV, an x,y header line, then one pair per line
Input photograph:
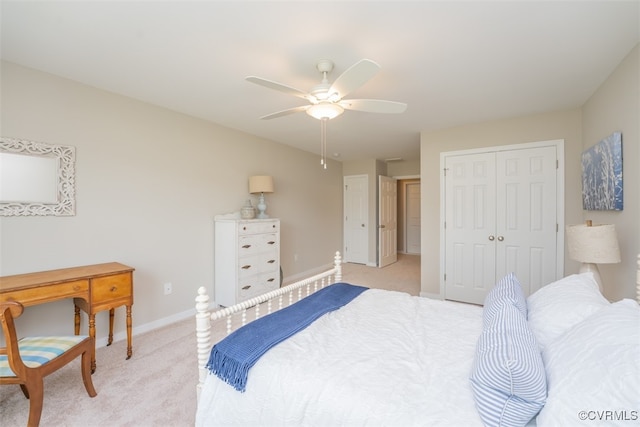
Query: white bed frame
x,y
305,287
274,301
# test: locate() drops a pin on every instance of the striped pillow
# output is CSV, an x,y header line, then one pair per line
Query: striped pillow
x,y
507,291
36,351
508,376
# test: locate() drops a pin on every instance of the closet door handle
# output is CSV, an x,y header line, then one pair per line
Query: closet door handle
x,y
500,238
492,238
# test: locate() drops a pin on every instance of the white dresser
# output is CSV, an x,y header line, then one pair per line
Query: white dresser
x,y
247,258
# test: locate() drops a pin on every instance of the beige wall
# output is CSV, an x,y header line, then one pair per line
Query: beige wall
x,y
149,182
615,107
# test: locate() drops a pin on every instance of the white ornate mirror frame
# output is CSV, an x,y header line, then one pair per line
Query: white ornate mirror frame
x,y
63,202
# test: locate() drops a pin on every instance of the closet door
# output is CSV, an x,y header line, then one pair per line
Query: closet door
x,y
470,223
526,216
500,217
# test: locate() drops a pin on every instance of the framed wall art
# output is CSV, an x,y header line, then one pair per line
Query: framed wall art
x,y
602,175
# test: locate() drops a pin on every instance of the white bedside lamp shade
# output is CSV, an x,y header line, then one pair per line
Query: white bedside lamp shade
x,y
592,245
261,184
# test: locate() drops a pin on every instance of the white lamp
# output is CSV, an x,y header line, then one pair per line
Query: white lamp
x,y
592,245
261,184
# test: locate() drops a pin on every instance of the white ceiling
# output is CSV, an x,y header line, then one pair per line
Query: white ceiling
x,y
452,62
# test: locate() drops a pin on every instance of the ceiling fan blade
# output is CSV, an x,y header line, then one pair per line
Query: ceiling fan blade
x,y
357,75
285,112
277,86
373,106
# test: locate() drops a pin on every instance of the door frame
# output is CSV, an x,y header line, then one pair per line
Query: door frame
x,y
560,187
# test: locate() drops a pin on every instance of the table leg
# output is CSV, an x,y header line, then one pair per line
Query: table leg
x,y
111,315
76,320
129,323
92,333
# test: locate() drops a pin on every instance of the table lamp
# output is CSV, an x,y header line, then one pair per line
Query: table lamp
x,y
261,184
592,245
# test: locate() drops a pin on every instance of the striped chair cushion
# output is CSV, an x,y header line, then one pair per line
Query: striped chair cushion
x,y
506,291
36,351
508,377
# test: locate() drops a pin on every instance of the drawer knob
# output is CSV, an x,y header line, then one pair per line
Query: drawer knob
x,y
246,246
113,289
271,242
244,288
271,261
271,280
246,267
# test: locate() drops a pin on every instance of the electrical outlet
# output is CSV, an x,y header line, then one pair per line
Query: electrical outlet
x,y
168,288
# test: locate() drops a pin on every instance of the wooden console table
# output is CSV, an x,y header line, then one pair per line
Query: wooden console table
x,y
93,288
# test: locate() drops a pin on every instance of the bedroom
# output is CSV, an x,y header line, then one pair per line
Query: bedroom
x,y
149,181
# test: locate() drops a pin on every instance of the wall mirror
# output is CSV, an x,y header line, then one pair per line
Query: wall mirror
x,y
36,178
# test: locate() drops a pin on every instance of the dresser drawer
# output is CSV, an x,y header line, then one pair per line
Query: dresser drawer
x,y
258,227
264,263
110,288
255,285
257,243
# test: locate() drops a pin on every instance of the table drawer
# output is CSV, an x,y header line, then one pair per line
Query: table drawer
x,y
38,295
111,288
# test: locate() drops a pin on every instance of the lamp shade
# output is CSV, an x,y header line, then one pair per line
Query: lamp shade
x,y
325,110
596,244
261,184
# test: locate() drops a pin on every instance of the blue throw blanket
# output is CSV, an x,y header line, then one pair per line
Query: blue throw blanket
x,y
232,357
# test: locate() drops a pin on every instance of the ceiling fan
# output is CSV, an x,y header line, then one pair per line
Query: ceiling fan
x,y
326,101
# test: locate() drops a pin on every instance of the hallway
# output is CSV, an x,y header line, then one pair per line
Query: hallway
x,y
403,275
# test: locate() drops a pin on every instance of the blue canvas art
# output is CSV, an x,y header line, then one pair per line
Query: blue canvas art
x,y
602,175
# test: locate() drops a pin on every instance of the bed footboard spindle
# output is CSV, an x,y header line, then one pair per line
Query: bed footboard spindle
x,y
203,335
638,281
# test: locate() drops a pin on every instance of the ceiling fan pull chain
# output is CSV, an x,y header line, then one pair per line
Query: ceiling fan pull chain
x,y
323,141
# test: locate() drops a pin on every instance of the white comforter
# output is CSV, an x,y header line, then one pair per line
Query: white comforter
x,y
386,358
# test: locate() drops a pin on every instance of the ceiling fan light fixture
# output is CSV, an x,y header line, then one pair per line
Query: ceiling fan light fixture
x,y
325,110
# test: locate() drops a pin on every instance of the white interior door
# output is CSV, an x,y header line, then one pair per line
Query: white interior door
x,y
526,216
470,221
356,219
412,218
387,221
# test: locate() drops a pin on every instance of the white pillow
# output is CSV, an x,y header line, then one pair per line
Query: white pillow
x,y
558,306
593,370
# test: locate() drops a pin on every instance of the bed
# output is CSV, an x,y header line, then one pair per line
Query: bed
x,y
563,356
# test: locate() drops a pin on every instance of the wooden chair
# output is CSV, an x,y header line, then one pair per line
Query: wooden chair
x,y
27,361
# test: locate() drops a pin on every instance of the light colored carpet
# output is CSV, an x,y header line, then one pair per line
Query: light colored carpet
x,y
156,387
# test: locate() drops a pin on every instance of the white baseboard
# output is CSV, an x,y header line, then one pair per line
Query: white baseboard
x,y
141,329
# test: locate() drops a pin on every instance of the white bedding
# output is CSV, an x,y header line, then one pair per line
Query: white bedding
x,y
326,375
